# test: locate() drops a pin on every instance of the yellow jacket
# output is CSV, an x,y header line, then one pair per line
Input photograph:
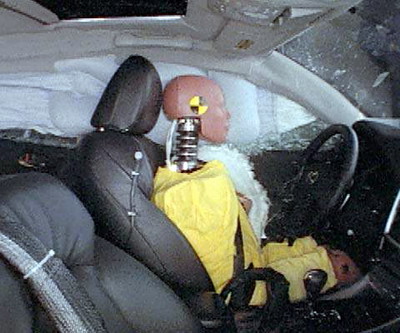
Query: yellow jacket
x,y
296,260
204,206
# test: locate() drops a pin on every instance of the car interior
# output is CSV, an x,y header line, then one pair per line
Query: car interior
x,y
84,248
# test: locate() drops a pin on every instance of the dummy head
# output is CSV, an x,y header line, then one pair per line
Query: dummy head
x,y
179,95
346,271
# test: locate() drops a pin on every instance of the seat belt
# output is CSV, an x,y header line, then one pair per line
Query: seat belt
x,y
241,297
242,285
57,290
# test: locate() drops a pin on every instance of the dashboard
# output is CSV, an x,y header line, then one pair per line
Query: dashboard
x,y
360,225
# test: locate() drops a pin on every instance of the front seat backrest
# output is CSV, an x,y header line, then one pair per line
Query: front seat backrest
x,y
129,107
126,295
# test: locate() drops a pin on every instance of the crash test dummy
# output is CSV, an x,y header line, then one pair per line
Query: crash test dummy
x,y
206,208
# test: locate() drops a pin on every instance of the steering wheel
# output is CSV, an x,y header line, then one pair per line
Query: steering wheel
x,y
347,167
307,208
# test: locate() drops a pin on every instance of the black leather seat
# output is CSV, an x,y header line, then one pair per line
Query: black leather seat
x,y
128,297
129,108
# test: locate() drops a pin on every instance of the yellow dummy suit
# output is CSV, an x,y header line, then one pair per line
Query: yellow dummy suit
x,y
204,206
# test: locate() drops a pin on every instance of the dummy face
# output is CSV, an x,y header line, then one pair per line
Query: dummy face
x,y
345,269
177,97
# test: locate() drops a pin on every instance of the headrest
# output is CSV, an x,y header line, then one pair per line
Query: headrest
x,y
132,99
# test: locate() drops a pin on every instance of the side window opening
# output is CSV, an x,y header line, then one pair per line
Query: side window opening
x,y
77,9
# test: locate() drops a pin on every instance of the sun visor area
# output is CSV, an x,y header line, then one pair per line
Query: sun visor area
x,y
257,26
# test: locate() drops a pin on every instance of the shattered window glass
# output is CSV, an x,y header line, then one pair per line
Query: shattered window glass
x,y
285,125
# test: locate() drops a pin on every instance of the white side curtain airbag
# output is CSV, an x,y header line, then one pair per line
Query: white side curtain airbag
x,y
62,102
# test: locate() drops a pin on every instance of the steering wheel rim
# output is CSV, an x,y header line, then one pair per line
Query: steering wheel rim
x,y
348,166
301,214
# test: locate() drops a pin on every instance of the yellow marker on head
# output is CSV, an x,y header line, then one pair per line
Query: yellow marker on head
x,y
198,105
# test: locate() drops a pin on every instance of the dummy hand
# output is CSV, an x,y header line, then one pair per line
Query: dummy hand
x,y
245,202
346,270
